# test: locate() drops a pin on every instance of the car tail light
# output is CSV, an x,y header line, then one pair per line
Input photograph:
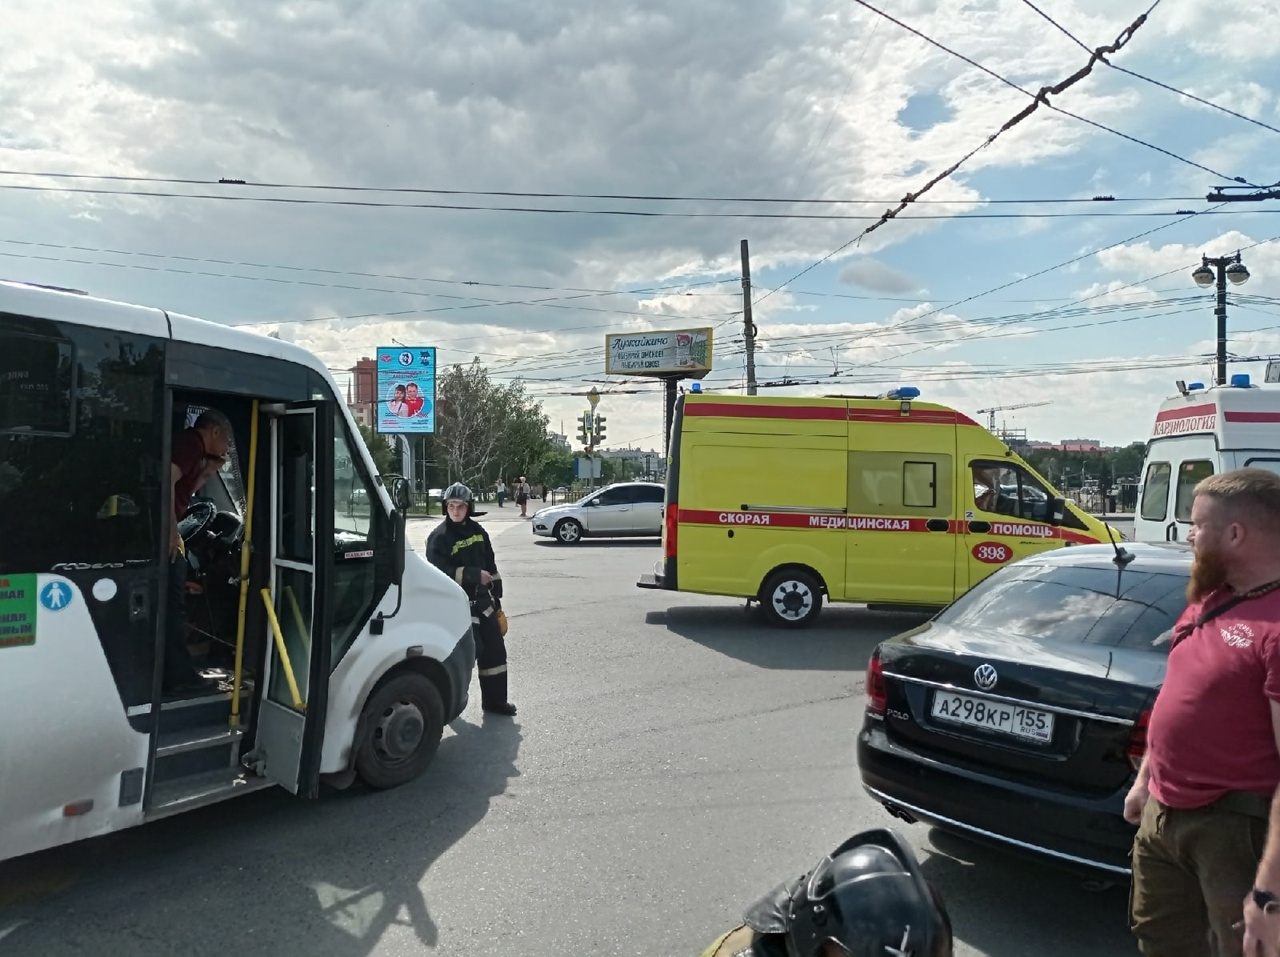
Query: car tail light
x,y
671,520
877,697
1137,748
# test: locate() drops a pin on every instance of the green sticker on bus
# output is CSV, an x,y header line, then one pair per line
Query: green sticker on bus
x,y
17,610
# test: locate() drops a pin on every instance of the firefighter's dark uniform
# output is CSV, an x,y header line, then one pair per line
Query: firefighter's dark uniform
x,y
461,550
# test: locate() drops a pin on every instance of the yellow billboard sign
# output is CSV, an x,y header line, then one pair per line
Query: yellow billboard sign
x,y
683,352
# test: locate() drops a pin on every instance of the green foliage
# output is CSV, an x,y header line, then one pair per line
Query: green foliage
x,y
486,430
1069,470
619,470
555,469
385,459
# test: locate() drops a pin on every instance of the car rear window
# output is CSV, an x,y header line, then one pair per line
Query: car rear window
x,y
1109,607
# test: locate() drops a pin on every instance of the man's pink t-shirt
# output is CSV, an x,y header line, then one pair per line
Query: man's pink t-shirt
x,y
1211,730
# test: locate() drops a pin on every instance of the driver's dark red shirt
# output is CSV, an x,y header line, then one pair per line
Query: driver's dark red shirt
x,y
188,456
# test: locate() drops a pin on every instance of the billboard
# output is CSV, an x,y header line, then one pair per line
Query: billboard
x,y
683,352
406,389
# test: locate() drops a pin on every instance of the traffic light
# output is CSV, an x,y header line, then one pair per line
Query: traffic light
x,y
584,428
598,434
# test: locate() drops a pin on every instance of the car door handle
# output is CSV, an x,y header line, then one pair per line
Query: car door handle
x,y
1171,532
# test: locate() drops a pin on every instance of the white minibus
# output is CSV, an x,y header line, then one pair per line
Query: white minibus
x,y
330,649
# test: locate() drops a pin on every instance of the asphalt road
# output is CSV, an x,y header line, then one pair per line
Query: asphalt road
x,y
673,759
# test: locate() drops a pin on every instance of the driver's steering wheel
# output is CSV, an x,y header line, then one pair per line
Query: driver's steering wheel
x,y
204,517
197,518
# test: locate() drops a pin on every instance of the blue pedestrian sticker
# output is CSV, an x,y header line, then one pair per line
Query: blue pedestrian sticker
x,y
55,596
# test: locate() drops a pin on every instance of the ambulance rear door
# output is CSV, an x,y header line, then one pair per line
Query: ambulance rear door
x,y
1172,469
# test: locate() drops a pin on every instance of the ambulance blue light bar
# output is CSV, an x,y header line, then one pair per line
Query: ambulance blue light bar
x,y
902,392
1240,380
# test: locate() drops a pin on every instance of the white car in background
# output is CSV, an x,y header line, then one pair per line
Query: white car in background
x,y
626,509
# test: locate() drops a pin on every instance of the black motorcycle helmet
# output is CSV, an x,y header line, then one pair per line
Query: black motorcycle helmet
x,y
457,492
868,897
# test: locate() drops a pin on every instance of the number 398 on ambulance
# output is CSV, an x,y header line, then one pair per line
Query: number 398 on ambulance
x,y
883,500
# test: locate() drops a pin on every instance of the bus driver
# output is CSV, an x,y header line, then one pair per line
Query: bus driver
x,y
198,452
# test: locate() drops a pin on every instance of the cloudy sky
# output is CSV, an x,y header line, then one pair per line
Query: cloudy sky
x,y
376,137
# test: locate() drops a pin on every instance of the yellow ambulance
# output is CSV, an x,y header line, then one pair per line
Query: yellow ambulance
x,y
883,500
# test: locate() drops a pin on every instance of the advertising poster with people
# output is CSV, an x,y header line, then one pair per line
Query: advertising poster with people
x,y
407,389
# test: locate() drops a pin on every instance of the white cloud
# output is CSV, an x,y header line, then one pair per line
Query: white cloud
x,y
878,277
798,99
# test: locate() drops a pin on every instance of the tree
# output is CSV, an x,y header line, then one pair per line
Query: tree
x,y
618,470
486,431
555,469
385,459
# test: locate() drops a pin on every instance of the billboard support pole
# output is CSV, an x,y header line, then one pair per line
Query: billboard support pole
x,y
748,324
670,406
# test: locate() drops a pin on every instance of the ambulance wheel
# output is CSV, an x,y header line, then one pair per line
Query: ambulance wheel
x,y
403,721
568,532
791,598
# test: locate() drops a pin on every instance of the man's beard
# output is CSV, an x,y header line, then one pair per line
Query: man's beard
x,y
1208,573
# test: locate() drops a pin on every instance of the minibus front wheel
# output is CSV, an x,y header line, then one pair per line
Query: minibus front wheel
x,y
403,721
791,597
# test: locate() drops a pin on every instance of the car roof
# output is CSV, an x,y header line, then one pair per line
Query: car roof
x,y
1174,557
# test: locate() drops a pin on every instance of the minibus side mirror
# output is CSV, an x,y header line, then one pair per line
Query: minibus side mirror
x,y
399,545
401,493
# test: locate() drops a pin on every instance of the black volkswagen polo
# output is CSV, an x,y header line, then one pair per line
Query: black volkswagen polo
x,y
1019,713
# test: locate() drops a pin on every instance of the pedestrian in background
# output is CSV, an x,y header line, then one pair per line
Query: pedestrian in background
x,y
501,489
1203,860
522,497
460,547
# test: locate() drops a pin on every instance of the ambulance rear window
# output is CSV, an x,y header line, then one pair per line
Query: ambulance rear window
x,y
1155,492
1190,474
1271,465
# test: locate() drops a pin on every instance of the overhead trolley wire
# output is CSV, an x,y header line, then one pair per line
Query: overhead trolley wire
x,y
1062,265
471,302
1042,96
1037,99
583,292
561,211
630,197
1074,39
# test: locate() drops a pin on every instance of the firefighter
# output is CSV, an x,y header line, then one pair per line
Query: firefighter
x,y
867,897
461,549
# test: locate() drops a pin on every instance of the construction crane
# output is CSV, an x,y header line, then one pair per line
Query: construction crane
x,y
991,422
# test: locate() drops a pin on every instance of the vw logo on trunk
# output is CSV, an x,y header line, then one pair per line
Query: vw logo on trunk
x,y
985,677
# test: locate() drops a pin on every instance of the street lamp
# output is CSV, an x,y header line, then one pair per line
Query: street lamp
x,y
1217,270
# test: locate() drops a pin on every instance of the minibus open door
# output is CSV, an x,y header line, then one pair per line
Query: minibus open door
x,y
296,602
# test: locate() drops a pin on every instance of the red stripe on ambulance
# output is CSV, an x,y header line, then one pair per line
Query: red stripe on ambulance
x,y
875,523
753,411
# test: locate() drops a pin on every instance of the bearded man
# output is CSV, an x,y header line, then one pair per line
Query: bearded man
x,y
1206,867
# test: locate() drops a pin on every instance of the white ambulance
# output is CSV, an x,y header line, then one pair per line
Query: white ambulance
x,y
1198,433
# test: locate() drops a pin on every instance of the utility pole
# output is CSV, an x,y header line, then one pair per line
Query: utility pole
x,y
748,326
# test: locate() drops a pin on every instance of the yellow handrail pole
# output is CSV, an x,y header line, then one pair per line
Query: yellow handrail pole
x,y
297,614
245,549
284,654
